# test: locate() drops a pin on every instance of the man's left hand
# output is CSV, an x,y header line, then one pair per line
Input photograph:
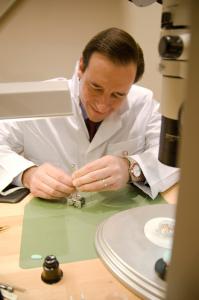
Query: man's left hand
x,y
106,173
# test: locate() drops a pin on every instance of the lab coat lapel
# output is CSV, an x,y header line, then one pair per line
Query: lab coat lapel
x,y
74,88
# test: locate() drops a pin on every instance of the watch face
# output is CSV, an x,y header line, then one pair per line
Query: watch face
x,y
136,170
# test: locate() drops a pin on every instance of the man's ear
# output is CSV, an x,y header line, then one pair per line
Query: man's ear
x,y
80,68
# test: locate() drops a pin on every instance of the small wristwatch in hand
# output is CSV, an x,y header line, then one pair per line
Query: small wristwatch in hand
x,y
135,172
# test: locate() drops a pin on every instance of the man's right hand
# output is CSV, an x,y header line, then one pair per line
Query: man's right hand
x,y
47,181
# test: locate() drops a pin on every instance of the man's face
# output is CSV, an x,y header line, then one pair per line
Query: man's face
x,y
104,85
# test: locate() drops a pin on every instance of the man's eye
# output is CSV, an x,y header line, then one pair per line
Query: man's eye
x,y
118,96
95,87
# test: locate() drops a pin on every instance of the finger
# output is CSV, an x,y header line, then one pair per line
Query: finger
x,y
43,195
50,186
40,193
48,191
90,167
55,184
59,175
99,185
91,177
56,189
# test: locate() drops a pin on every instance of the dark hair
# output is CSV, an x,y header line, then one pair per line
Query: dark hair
x,y
118,46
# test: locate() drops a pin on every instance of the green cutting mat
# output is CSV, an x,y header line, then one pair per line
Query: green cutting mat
x,y
68,232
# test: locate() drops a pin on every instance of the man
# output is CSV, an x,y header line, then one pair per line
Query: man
x,y
111,139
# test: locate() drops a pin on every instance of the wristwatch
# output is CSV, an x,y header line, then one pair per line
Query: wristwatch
x,y
135,172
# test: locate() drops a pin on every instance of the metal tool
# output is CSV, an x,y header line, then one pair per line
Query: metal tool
x,y
4,227
9,288
75,199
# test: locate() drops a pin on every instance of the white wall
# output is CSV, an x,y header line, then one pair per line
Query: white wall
x,y
144,24
42,39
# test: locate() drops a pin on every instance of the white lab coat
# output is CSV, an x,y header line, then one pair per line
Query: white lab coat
x,y
64,141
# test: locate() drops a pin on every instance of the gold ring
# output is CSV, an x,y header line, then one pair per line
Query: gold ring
x,y
104,183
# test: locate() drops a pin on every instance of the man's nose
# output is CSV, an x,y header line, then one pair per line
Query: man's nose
x,y
103,103
102,107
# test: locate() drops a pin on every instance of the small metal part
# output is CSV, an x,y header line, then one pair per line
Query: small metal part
x,y
51,271
75,199
80,202
6,287
36,256
10,288
70,201
76,194
77,204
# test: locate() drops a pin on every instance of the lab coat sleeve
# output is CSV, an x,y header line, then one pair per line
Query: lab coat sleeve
x,y
158,176
12,162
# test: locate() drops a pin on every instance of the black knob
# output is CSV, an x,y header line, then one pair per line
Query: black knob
x,y
51,271
161,268
170,46
166,21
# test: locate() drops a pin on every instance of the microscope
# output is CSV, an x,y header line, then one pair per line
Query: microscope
x,y
174,50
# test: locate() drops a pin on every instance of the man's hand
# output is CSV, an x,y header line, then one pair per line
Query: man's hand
x,y
48,182
106,173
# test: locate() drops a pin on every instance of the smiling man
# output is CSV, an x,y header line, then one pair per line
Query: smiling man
x,y
112,138
104,85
